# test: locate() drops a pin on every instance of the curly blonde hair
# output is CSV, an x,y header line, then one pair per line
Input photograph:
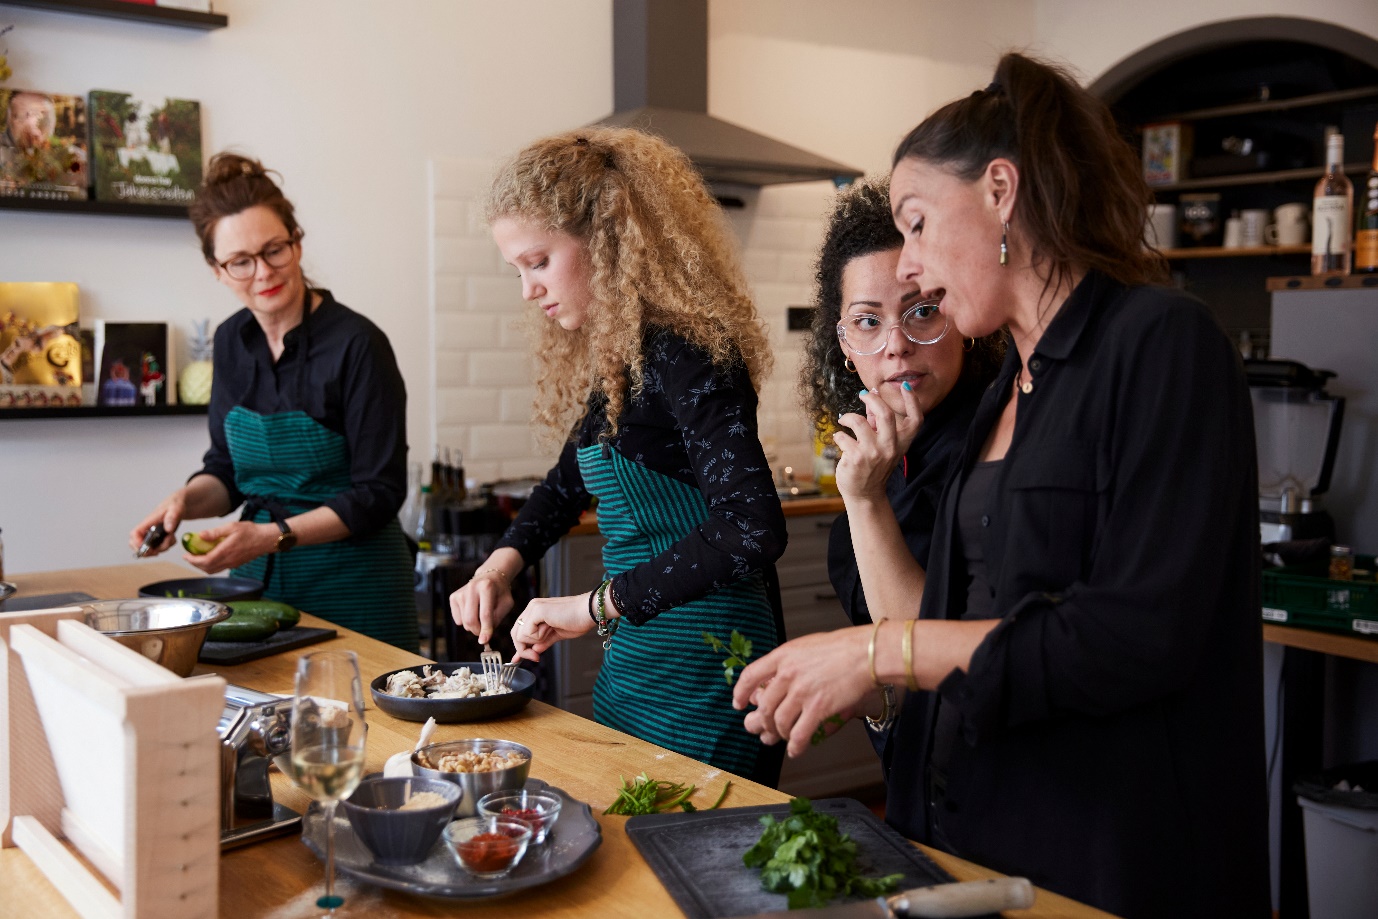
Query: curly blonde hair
x,y
660,254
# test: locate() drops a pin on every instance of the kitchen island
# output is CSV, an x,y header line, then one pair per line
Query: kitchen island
x,y
282,878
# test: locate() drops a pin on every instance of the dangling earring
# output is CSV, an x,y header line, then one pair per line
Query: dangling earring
x,y
971,343
847,362
1004,244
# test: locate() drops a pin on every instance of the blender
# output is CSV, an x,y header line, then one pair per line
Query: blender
x,y
1297,426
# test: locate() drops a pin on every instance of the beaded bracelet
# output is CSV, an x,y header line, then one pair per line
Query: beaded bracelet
x,y
607,627
506,578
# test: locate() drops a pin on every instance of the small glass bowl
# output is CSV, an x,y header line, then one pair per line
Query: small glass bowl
x,y
488,847
538,808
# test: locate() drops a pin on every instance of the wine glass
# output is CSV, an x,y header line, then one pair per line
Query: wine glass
x,y
328,734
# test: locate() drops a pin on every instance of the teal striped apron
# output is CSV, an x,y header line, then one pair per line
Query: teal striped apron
x,y
660,681
363,583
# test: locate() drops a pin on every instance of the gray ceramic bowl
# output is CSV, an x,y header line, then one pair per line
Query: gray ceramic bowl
x,y
399,837
168,631
475,784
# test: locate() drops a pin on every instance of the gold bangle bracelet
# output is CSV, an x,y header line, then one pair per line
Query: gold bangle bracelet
x,y
908,646
871,654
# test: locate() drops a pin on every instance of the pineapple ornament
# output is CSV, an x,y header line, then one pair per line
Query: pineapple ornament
x,y
194,383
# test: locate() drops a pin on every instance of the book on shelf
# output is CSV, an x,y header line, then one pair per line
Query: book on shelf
x,y
144,150
135,364
43,150
40,347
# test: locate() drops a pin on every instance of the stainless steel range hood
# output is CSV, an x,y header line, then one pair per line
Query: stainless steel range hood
x,y
660,85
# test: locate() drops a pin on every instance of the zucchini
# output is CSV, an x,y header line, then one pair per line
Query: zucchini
x,y
196,545
242,626
283,615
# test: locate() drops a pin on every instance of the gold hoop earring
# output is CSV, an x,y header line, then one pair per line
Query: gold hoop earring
x,y
1004,244
847,363
971,343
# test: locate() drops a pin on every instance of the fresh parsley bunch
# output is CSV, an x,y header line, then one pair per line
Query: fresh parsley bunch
x,y
806,856
738,649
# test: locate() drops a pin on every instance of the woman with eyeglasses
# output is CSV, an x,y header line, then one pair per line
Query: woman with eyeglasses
x,y
307,424
648,353
1085,701
920,382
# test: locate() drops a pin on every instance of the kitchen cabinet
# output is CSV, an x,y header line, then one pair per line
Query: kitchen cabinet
x,y
844,762
1258,111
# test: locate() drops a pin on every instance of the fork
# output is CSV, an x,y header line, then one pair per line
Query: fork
x,y
508,671
492,668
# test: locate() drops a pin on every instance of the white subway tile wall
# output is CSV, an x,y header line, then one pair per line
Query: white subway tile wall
x,y
482,359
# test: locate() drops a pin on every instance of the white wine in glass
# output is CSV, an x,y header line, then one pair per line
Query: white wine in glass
x,y
328,734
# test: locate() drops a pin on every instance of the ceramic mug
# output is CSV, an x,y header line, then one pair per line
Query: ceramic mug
x,y
1289,226
1234,233
1161,232
1251,226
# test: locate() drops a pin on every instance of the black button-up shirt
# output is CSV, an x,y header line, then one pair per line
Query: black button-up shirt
x,y
337,367
1107,741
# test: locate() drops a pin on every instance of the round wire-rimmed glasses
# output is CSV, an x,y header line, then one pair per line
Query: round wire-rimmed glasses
x,y
923,324
277,254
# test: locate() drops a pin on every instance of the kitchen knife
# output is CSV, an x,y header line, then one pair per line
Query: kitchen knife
x,y
941,901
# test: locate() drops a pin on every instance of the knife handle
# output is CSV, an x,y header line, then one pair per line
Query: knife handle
x,y
968,898
154,538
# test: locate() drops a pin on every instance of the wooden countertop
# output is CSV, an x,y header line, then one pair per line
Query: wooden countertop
x,y
794,507
281,878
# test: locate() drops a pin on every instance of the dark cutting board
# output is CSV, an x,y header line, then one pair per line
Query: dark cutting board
x,y
21,603
241,652
698,856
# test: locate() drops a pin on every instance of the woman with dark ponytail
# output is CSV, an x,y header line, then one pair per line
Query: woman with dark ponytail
x,y
1085,677
307,423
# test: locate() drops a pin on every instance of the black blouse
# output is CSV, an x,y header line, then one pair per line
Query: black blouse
x,y
913,490
1108,737
338,368
695,423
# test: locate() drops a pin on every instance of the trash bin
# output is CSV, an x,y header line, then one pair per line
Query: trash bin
x,y
1340,820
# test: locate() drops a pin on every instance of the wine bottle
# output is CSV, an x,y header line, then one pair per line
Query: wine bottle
x,y
1331,242
1366,239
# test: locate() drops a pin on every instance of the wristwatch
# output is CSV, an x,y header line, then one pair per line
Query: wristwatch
x,y
288,539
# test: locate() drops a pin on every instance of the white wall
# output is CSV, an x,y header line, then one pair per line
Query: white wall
x,y
348,99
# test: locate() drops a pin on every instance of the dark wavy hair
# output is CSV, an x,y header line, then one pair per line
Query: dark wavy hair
x,y
1082,202
861,225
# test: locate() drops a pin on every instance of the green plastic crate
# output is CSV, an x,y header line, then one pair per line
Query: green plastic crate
x,y
1302,596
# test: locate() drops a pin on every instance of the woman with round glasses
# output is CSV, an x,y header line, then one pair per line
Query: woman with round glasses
x,y
307,423
649,353
884,363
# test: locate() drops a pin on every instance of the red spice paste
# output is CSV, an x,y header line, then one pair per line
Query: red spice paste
x,y
487,852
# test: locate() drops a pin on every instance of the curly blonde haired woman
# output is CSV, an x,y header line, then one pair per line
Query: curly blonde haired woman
x,y
650,352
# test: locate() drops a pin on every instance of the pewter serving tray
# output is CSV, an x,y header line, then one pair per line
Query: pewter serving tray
x,y
572,840
698,856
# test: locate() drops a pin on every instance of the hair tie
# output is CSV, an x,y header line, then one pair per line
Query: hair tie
x,y
581,141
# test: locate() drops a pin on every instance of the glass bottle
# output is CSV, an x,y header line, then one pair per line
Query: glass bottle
x,y
1341,563
410,513
424,533
1331,241
1366,237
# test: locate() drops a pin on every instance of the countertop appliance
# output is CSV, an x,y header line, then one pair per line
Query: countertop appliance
x,y
1297,428
254,728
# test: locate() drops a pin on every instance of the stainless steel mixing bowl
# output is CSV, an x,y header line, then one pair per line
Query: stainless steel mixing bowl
x,y
167,631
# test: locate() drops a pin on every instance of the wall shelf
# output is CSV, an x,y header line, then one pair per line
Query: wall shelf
x,y
1257,178
84,206
101,411
136,12
1365,281
1237,252
1274,105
